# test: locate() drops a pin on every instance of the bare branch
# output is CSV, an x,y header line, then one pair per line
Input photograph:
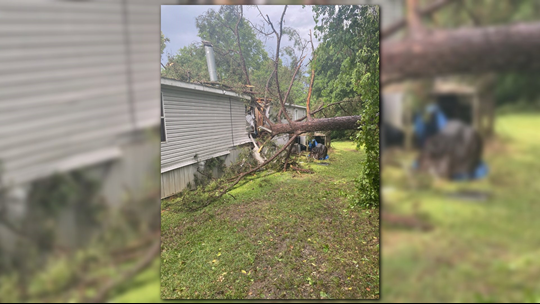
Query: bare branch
x,y
152,253
470,13
4,221
260,31
396,26
239,46
287,157
312,78
276,62
413,18
321,108
291,140
268,84
292,80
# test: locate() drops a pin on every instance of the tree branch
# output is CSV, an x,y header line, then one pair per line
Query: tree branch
x,y
288,155
321,108
413,19
312,77
143,264
259,166
276,63
239,46
398,25
292,81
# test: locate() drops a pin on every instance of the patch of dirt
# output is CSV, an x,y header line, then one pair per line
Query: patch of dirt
x,y
317,257
405,222
497,146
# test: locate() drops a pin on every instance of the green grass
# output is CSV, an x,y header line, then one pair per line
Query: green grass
x,y
282,236
478,251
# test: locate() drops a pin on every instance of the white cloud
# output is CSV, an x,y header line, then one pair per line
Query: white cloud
x,y
178,23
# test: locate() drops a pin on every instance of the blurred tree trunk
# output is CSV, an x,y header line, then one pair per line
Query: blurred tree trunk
x,y
485,88
466,50
409,124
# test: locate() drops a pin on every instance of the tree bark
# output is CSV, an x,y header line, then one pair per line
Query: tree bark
x,y
321,124
467,50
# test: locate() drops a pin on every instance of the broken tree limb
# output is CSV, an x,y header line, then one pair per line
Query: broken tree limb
x,y
467,50
289,153
320,124
256,151
149,257
428,10
257,168
262,112
292,81
413,19
320,108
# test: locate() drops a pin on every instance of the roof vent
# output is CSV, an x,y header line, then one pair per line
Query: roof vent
x,y
210,60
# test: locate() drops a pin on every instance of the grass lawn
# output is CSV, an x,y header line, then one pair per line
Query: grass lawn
x,y
281,236
479,251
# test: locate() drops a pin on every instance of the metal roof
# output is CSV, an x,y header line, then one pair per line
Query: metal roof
x,y
200,87
295,106
449,87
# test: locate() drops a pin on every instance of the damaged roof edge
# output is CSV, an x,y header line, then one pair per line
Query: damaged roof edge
x,y
295,106
198,87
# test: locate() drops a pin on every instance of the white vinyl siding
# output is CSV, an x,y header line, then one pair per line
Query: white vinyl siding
x,y
200,125
76,78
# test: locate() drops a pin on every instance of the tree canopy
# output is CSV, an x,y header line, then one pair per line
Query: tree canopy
x,y
219,28
350,35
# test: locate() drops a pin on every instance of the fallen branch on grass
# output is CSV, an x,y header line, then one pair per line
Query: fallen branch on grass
x,y
151,254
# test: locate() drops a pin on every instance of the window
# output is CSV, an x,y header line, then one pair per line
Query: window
x,y
163,131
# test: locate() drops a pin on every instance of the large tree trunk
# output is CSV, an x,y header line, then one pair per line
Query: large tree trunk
x,y
467,50
321,124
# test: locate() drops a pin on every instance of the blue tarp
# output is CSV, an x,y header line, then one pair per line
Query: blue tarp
x,y
420,129
313,144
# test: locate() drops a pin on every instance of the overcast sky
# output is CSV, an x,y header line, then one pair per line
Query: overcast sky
x,y
178,24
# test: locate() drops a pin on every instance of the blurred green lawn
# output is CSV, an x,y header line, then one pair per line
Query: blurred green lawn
x,y
478,251
484,251
284,235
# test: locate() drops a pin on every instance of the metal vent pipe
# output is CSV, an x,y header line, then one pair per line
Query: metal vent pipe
x,y
210,60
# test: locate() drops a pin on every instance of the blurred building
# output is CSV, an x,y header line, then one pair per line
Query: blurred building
x,y
80,90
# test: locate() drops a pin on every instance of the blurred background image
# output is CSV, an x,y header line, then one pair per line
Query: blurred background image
x,y
79,150
458,152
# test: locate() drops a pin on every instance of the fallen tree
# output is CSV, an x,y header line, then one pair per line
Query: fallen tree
x,y
466,50
319,124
